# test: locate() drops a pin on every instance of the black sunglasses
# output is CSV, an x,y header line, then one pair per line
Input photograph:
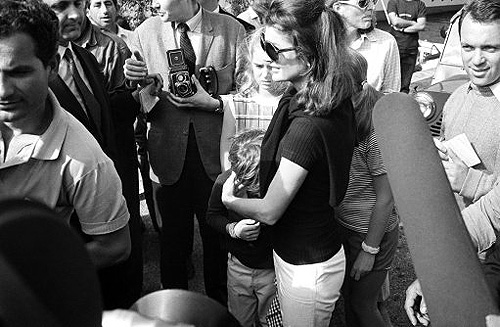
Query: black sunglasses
x,y
362,4
271,50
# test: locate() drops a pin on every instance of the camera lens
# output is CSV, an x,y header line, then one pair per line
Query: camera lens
x,y
183,89
180,78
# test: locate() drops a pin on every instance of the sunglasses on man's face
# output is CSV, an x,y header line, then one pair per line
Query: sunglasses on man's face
x,y
271,50
361,4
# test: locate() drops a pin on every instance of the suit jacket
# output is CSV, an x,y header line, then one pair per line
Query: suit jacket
x,y
169,126
100,125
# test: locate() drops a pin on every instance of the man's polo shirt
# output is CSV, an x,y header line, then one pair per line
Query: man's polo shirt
x,y
65,169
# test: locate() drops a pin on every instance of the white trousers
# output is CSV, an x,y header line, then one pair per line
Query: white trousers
x,y
308,293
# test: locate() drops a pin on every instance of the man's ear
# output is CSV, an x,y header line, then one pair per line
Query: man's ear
x,y
53,67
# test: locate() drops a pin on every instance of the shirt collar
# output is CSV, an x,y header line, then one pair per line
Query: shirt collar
x,y
495,88
490,90
194,22
359,41
51,141
217,10
41,147
61,50
252,14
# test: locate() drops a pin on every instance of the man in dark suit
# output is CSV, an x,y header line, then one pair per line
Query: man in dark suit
x,y
102,103
184,133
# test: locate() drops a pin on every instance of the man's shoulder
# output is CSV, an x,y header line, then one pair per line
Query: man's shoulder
x,y
152,23
115,39
79,145
223,22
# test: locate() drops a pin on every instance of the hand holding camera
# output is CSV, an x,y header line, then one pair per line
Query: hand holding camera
x,y
186,91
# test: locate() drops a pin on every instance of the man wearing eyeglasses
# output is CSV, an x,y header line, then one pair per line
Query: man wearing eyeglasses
x,y
184,132
407,19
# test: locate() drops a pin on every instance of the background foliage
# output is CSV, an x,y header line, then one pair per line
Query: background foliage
x,y
136,11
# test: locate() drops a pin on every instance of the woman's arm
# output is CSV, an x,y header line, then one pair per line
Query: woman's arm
x,y
228,130
378,221
284,186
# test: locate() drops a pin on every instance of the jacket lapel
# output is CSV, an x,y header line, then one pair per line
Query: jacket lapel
x,y
207,31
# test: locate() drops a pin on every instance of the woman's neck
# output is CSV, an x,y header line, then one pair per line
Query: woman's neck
x,y
352,34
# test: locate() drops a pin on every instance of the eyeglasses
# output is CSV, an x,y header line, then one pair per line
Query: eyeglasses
x,y
271,50
361,4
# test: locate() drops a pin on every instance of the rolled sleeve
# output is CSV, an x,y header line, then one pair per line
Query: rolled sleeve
x,y
476,184
98,200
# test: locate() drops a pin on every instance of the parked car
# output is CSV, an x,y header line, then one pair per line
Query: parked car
x,y
448,76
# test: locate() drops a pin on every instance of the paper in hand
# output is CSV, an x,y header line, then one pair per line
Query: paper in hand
x,y
148,101
462,147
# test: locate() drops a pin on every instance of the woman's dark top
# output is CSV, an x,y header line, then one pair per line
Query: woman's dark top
x,y
308,232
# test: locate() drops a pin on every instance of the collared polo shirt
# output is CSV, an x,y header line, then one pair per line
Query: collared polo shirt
x,y
381,52
65,169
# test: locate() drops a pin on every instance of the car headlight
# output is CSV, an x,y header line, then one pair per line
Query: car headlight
x,y
426,103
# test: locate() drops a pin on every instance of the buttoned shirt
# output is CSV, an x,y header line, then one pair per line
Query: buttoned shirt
x,y
65,169
381,52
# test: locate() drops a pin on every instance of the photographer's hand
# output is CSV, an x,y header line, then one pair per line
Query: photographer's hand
x,y
200,100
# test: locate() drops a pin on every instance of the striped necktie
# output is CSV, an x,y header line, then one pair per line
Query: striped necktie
x,y
187,47
93,108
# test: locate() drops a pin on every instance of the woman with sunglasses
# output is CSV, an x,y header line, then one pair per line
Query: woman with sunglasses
x,y
305,157
378,47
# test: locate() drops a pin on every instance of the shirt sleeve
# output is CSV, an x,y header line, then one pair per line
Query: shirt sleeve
x,y
302,144
392,69
98,200
373,156
217,214
422,10
391,7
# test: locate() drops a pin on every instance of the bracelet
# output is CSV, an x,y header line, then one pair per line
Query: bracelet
x,y
230,230
369,249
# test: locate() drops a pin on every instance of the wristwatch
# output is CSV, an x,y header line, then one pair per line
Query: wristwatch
x,y
220,108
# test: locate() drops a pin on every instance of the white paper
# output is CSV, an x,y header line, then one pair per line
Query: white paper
x,y
462,147
148,101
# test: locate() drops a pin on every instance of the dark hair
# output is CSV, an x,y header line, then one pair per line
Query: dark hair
x,y
330,3
364,100
319,35
483,11
115,2
244,156
34,18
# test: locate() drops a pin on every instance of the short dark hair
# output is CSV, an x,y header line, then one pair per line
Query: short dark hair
x,y
34,18
244,156
483,11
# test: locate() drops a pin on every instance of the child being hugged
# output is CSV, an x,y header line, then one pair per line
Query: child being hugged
x,y
250,270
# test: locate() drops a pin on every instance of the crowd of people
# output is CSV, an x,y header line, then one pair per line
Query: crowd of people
x,y
260,126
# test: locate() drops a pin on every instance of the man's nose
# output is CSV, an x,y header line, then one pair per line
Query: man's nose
x,y
478,57
5,87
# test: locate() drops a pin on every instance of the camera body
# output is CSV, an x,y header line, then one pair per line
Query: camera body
x,y
178,76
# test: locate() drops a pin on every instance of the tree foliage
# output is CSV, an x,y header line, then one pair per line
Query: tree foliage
x,y
136,11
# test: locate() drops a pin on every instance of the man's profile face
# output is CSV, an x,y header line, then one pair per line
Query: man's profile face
x,y
23,80
481,50
71,14
102,13
172,10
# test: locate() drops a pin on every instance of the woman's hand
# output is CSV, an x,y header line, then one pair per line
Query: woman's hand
x,y
362,265
228,190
